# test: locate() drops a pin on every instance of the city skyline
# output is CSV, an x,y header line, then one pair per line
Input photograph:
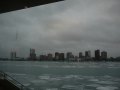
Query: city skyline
x,y
98,55
72,25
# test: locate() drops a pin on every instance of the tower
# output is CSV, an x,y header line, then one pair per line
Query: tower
x,y
32,54
104,55
97,54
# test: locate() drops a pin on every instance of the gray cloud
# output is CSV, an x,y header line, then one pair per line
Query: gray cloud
x,y
73,25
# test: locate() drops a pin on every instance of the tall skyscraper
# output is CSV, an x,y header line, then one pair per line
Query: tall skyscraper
x,y
104,55
80,55
13,55
97,54
32,54
70,56
87,54
61,56
50,56
56,55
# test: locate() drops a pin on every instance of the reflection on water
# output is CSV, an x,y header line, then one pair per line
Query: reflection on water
x,y
64,75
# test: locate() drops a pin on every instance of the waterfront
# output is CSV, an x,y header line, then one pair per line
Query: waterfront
x,y
65,75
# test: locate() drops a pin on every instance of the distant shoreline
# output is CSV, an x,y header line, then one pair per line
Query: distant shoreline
x,y
114,60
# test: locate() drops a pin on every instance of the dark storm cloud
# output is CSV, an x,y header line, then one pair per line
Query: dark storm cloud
x,y
73,25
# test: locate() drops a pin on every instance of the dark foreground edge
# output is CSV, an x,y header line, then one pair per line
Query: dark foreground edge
x,y
9,83
12,5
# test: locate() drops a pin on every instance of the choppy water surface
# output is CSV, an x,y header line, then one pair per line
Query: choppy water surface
x,y
65,75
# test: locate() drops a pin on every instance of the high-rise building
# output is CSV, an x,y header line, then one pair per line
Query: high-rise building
x,y
13,55
32,54
80,55
43,57
61,56
50,56
104,55
87,54
76,58
56,55
70,56
97,54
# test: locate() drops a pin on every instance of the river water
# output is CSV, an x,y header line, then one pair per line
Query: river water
x,y
64,75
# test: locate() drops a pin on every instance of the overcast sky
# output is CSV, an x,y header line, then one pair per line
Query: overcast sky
x,y
71,25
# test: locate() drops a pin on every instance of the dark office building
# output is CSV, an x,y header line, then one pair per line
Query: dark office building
x,y
43,57
97,54
56,55
61,56
32,54
50,57
80,55
13,55
104,55
69,55
87,54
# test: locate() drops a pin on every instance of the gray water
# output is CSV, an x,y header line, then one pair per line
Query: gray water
x,y
64,75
